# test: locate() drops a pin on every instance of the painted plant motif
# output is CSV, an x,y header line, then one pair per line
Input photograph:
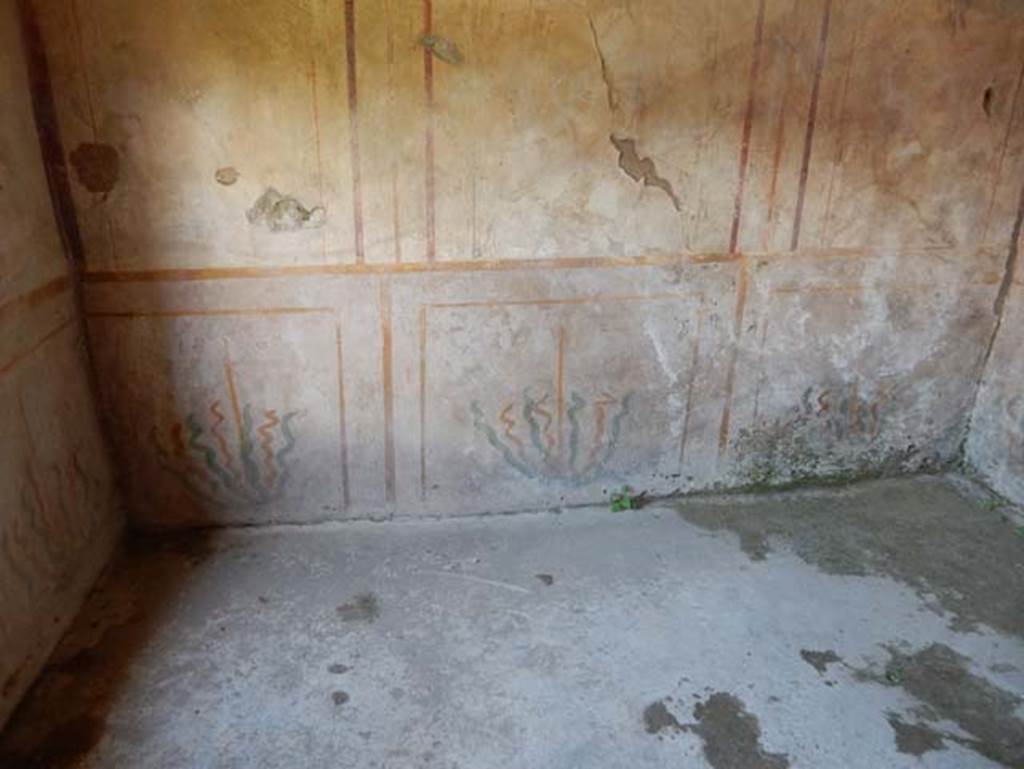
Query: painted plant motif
x,y
60,512
528,433
232,455
814,433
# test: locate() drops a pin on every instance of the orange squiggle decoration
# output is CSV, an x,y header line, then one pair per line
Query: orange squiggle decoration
x,y
178,439
37,492
229,461
266,442
547,423
177,433
600,418
510,423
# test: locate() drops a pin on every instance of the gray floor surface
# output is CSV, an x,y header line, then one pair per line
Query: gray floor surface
x,y
881,625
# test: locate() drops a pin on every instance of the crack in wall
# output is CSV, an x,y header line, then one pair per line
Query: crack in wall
x,y
1009,272
642,169
613,100
1010,269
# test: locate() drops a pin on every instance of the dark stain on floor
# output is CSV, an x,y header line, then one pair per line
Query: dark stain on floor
x,y
339,697
939,678
915,739
363,608
338,668
732,736
820,660
924,534
657,718
547,579
64,715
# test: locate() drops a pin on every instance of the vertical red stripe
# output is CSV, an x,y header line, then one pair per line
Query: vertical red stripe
x,y
353,128
748,124
342,430
430,180
812,116
387,378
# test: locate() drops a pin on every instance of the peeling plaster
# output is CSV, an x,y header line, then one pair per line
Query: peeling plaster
x,y
283,213
642,169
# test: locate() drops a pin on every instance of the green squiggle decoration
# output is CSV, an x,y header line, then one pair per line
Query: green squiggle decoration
x,y
289,444
496,442
529,405
208,454
613,440
576,404
246,445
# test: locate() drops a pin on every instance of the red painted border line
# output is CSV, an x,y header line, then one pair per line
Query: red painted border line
x,y
423,403
315,97
353,128
812,117
384,268
228,312
840,151
190,274
7,367
694,364
430,179
742,289
387,380
35,296
342,430
748,124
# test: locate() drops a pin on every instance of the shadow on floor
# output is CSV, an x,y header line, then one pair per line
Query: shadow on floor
x,y
64,714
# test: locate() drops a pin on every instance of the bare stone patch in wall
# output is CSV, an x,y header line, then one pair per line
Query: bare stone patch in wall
x,y
97,166
227,176
443,48
642,169
284,213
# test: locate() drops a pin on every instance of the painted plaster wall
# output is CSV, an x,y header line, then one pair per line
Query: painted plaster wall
x,y
995,445
58,519
564,246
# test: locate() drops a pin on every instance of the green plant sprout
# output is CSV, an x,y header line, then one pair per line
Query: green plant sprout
x,y
624,499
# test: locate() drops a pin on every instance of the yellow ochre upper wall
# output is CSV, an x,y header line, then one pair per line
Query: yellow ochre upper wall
x,y
448,130
419,257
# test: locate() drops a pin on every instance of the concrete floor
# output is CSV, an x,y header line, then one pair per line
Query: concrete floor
x,y
876,626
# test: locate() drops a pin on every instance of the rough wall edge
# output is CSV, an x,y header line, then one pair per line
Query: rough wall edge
x,y
51,148
52,157
83,584
1009,272
999,307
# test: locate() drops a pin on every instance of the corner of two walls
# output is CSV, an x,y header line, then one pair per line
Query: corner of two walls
x,y
333,273
59,517
995,442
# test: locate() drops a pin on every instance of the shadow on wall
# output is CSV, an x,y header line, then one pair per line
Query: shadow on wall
x,y
647,150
